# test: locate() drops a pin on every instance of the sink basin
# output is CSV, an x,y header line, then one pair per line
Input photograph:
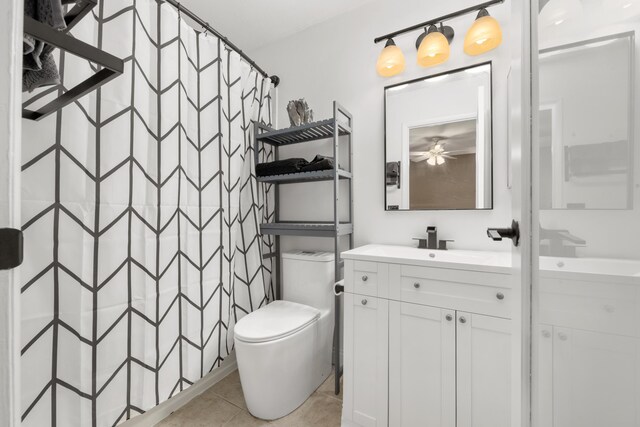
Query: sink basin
x,y
452,258
495,261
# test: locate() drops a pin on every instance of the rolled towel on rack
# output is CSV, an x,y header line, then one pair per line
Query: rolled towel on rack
x,y
319,163
280,167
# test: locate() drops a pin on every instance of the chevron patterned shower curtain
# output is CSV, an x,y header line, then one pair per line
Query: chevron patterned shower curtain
x,y
141,221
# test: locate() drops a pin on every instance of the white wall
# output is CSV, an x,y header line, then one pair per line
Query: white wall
x,y
10,64
336,60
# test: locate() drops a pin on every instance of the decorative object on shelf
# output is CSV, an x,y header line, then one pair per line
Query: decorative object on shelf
x,y
393,174
299,112
391,60
484,35
434,43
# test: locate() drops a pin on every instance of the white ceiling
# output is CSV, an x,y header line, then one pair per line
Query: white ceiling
x,y
251,24
455,136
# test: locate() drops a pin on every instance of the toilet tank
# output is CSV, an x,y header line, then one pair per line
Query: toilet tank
x,y
308,278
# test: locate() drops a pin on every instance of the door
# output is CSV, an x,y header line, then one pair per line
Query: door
x,y
422,366
585,244
366,360
10,161
484,371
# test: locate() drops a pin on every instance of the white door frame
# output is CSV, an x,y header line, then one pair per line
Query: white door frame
x,y
521,94
10,160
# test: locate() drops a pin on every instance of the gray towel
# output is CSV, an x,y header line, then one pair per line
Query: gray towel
x,y
39,67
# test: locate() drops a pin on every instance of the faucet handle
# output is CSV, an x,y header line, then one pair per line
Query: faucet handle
x,y
422,242
442,244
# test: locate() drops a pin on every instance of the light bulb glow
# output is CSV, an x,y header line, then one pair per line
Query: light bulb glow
x,y
484,35
391,61
433,50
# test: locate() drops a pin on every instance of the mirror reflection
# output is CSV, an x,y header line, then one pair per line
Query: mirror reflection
x,y
584,117
438,142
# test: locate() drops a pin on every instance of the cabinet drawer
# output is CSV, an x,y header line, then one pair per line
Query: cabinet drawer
x,y
492,301
593,306
366,278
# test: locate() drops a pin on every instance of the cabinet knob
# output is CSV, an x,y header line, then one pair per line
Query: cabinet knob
x,y
416,285
562,336
609,308
448,317
463,319
365,278
364,302
546,334
500,296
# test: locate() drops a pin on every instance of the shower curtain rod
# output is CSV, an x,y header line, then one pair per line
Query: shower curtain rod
x,y
274,79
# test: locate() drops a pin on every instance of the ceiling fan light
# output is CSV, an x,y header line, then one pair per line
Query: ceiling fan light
x,y
431,161
484,35
440,160
391,60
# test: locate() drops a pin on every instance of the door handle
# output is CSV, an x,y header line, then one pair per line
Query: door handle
x,y
513,233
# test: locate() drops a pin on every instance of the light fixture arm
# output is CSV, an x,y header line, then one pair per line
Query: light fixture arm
x,y
479,7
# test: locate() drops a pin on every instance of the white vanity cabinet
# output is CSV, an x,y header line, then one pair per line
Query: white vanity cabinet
x,y
588,339
427,343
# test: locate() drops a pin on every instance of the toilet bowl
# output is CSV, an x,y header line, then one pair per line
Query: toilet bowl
x,y
284,349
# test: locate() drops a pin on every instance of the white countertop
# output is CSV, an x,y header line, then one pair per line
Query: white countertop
x,y
498,262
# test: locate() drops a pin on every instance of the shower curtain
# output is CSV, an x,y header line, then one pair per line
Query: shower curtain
x,y
141,221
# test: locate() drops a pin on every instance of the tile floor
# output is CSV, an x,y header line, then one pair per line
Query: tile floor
x,y
223,406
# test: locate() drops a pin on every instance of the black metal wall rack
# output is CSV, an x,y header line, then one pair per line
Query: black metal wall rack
x,y
109,66
340,125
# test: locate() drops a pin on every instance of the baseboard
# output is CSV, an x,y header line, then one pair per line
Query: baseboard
x,y
163,410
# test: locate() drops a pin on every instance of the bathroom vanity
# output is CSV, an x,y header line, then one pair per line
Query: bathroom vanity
x,y
427,338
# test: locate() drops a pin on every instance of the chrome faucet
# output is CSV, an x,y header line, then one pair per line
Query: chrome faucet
x,y
431,241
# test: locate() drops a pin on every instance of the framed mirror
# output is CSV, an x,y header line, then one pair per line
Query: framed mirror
x,y
438,141
586,130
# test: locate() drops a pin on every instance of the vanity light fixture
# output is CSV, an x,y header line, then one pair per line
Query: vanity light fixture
x,y
484,35
433,45
391,60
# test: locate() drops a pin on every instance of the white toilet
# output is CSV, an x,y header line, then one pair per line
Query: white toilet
x,y
284,349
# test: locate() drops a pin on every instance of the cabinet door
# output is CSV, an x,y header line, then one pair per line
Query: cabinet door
x,y
366,361
484,371
422,370
595,379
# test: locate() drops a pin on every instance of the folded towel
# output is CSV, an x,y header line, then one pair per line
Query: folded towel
x,y
280,167
39,67
319,163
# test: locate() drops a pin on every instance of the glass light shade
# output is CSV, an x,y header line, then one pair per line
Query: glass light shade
x,y
484,35
434,49
391,60
557,12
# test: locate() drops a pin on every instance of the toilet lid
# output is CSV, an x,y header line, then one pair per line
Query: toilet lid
x,y
276,320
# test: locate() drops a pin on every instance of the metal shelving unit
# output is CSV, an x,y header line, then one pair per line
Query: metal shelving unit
x,y
340,125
